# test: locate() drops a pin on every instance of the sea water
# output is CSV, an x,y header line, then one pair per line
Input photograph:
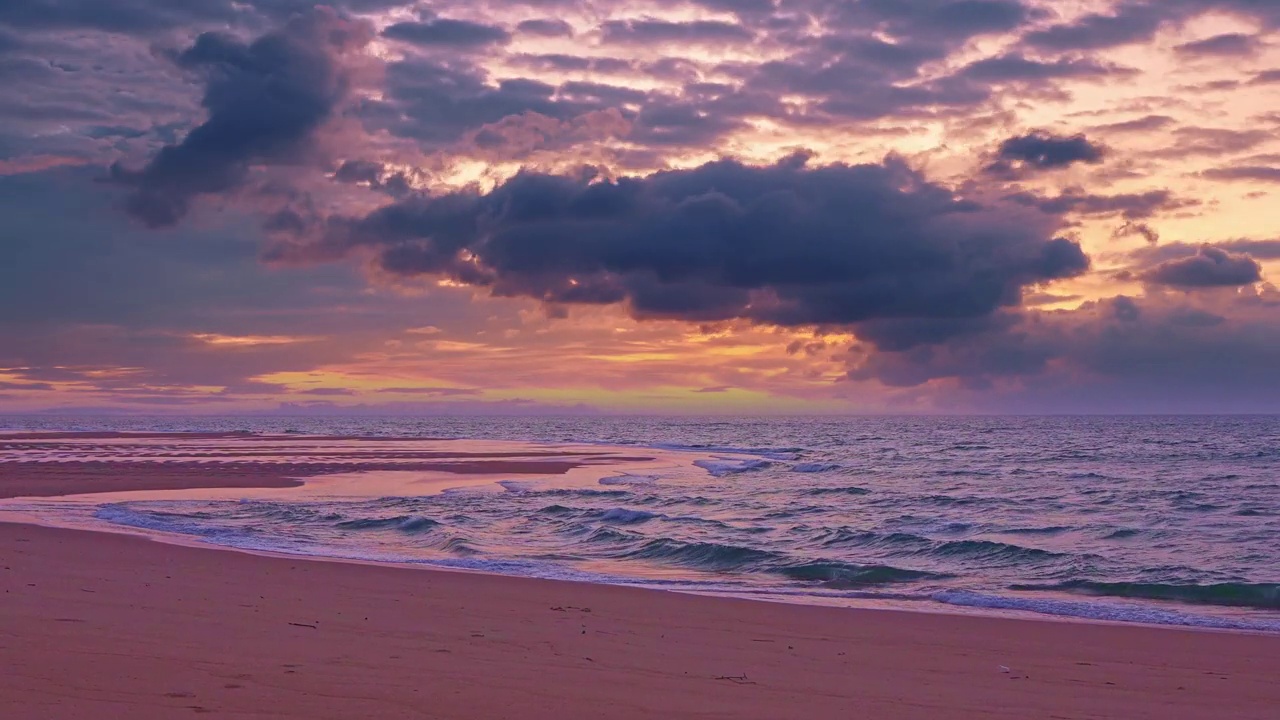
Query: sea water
x,y
1170,520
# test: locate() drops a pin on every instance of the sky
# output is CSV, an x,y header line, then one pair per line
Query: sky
x,y
649,206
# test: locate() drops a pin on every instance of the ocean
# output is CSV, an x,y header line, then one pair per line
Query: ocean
x,y
1165,520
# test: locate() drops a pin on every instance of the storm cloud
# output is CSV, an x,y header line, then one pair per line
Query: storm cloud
x,y
265,101
783,244
1044,151
1210,267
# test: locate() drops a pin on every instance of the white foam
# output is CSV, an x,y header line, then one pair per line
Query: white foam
x,y
721,467
519,485
629,480
1114,612
623,515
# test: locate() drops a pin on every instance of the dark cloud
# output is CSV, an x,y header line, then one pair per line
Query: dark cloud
x,y
1225,45
126,16
651,30
783,244
1131,22
437,102
1259,173
1162,353
1264,249
546,27
1044,151
951,21
373,175
1266,77
448,33
1209,267
1133,206
148,17
1142,230
1015,67
265,101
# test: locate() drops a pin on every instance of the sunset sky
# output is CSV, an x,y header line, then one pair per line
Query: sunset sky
x,y
701,206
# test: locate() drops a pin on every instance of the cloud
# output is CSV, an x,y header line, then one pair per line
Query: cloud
x,y
1168,352
1044,151
546,27
950,21
782,244
432,391
1260,173
1134,21
1225,45
1015,67
1143,124
266,101
1133,206
1264,249
652,30
1131,22
1188,141
1210,267
448,33
1143,230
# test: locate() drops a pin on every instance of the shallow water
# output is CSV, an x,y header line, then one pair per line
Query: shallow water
x,y
1155,519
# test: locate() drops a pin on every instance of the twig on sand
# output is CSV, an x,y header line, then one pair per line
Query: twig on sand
x,y
739,679
306,625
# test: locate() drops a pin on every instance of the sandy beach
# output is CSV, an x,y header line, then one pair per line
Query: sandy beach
x,y
109,626
105,625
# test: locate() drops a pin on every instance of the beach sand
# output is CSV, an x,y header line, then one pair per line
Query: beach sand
x,y
105,625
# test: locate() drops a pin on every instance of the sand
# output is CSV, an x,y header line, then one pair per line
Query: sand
x,y
105,625
110,626
55,464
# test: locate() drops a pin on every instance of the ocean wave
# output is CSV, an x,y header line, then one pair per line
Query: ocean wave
x,y
840,575
1265,596
458,546
721,467
989,550
629,480
815,467
518,486
897,542
846,490
1050,530
406,523
625,516
1100,611
788,453
700,555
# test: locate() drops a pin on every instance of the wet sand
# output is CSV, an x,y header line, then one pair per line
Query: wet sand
x,y
105,625
55,464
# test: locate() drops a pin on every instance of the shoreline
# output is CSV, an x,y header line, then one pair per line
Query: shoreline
x,y
270,472
211,631
196,627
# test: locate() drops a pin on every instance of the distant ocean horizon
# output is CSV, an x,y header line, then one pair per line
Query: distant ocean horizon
x,y
1167,519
